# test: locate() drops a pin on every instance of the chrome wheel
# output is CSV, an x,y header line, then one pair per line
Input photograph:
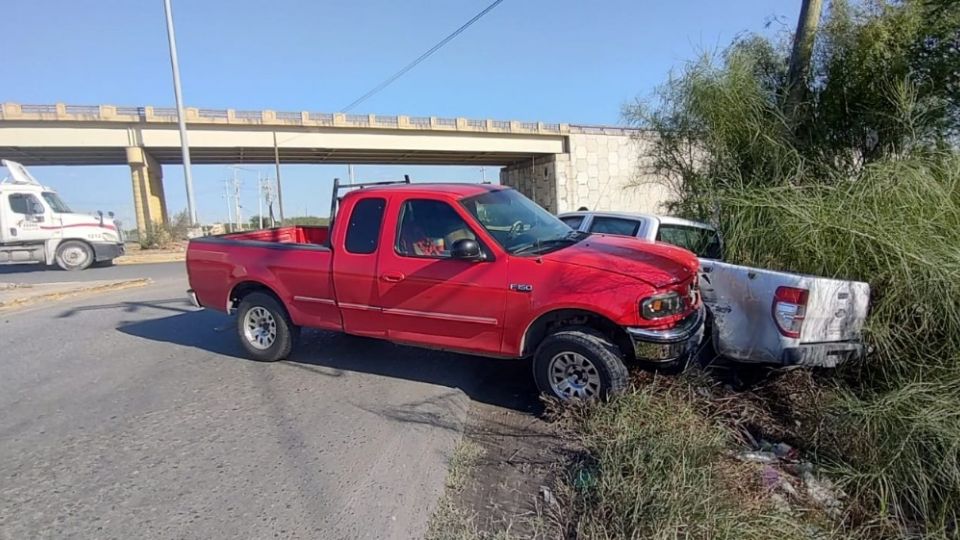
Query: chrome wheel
x,y
572,375
259,328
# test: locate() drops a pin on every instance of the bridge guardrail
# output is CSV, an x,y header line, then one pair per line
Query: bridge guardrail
x,y
108,113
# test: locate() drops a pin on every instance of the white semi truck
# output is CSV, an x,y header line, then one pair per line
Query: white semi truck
x,y
37,226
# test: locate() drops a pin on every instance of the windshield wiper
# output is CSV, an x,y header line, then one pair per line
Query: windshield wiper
x,y
569,239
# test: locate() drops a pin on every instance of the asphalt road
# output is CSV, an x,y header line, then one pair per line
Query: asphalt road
x,y
132,414
38,273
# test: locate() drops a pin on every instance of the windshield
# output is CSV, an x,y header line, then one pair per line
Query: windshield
x,y
519,224
56,203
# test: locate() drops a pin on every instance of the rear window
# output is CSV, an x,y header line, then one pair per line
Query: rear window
x,y
704,243
612,225
363,231
572,221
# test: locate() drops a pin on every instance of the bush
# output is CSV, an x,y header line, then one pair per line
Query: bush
x,y
657,467
861,181
896,226
167,235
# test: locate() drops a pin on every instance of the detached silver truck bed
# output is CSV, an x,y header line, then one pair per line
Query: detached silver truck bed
x,y
757,315
765,316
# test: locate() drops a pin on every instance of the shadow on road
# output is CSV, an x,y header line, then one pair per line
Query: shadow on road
x,y
504,383
27,267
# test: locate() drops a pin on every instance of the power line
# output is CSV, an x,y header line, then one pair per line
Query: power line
x,y
421,58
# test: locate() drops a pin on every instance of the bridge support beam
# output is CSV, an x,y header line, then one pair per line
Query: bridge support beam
x,y
148,199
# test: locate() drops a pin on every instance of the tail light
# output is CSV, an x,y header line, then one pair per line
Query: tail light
x,y
789,310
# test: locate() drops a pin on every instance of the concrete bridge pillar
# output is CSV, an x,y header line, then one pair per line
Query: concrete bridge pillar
x,y
148,199
599,171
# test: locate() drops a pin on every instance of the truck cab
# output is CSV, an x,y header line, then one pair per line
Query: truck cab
x,y
473,268
36,225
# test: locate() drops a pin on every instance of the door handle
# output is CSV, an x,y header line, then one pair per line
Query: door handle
x,y
392,278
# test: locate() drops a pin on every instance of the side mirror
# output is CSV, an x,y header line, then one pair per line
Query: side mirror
x,y
466,249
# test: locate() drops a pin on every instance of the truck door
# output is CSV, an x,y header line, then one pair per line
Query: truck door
x,y
429,297
355,266
28,217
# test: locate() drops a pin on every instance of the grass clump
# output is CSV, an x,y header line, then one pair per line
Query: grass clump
x,y
449,521
655,466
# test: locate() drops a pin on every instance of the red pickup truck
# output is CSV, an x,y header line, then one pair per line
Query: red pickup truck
x,y
474,268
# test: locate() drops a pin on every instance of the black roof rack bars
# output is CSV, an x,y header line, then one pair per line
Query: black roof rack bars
x,y
337,186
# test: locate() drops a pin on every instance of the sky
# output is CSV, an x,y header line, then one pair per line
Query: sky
x,y
576,62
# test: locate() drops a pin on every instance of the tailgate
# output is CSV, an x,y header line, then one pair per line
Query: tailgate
x,y
836,310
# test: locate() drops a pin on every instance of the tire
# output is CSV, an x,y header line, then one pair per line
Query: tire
x,y
74,255
264,328
579,363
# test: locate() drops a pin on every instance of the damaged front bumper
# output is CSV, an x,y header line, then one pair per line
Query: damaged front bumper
x,y
669,345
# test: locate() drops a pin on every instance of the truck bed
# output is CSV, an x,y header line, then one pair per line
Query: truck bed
x,y
293,261
294,234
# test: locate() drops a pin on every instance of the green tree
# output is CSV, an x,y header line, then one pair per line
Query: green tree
x,y
861,181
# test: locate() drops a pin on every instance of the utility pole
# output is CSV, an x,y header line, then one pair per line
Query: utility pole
x,y
350,173
227,197
181,120
276,162
483,174
268,194
236,199
260,198
803,43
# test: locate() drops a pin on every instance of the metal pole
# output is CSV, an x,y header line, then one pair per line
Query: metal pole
x,y
226,197
236,199
181,120
350,173
260,198
276,161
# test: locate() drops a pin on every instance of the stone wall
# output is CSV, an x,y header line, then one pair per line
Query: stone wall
x,y
600,171
537,179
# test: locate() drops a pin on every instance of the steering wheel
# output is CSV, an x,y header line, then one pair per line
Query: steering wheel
x,y
515,229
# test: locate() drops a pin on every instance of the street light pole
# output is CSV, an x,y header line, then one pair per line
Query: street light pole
x,y
181,120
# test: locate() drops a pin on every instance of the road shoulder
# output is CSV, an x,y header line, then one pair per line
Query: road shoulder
x,y
17,295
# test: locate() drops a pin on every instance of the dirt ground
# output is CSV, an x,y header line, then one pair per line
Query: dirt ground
x,y
136,255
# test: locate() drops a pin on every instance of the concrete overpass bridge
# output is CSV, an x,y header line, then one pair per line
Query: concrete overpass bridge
x,y
561,166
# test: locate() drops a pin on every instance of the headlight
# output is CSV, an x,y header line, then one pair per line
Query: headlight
x,y
661,305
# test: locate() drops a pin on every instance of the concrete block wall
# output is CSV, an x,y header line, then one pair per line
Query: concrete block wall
x,y
537,179
599,171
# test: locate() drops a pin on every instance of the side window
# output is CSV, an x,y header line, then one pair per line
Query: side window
x,y
572,221
612,225
429,229
363,231
703,242
23,203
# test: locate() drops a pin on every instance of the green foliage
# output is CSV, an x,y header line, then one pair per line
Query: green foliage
x,y
164,236
659,468
861,181
310,221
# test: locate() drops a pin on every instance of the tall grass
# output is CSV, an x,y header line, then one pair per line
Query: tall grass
x,y
658,468
893,433
861,182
